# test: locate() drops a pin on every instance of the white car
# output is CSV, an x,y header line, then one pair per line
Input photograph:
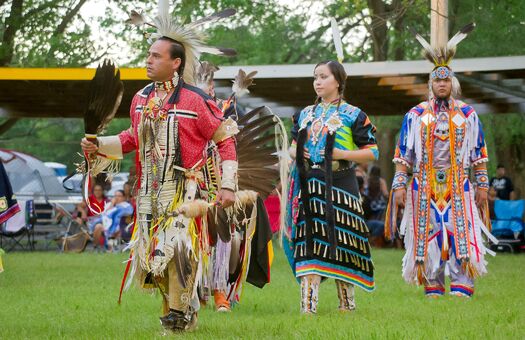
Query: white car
x,y
74,184
117,183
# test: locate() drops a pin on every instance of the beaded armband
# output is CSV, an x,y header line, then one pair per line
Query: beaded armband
x,y
482,179
400,180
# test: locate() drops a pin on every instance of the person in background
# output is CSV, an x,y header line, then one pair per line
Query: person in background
x,y
132,178
361,170
376,201
377,193
502,184
109,225
98,199
128,193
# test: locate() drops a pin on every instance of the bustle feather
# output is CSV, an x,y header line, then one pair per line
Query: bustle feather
x,y
242,82
204,74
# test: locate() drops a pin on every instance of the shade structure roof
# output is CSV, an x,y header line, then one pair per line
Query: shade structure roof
x,y
495,85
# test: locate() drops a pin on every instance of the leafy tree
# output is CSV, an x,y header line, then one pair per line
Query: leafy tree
x,y
52,33
45,33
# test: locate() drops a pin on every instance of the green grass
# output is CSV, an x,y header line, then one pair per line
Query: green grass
x,y
49,295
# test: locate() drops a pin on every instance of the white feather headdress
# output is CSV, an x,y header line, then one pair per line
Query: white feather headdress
x,y
190,36
441,56
338,43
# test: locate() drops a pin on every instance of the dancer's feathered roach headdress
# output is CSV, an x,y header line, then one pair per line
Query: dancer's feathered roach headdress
x,y
189,36
441,56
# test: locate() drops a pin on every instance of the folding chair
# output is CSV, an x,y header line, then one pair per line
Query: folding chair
x,y
75,237
18,228
508,227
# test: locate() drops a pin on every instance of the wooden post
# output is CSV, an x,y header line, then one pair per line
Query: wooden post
x,y
438,23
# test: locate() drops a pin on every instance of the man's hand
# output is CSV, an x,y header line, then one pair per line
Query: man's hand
x,y
88,147
400,197
481,198
225,198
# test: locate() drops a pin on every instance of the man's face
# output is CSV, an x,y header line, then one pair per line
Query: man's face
x,y
442,88
500,172
159,65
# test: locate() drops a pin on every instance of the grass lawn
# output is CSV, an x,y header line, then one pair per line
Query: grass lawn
x,y
49,295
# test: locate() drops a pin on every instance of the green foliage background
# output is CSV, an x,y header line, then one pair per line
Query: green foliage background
x,y
49,33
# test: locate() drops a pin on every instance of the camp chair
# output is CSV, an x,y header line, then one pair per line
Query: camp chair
x,y
508,226
19,227
75,237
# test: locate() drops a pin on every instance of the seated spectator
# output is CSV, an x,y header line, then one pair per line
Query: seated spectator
x,y
97,199
80,214
502,184
98,202
128,193
109,226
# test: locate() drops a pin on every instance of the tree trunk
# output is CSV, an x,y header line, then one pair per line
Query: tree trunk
x,y
12,25
378,29
399,52
386,141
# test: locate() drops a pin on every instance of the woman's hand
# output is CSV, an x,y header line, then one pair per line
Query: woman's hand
x,y
307,154
339,154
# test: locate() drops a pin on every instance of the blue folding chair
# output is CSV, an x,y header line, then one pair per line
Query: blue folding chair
x,y
508,227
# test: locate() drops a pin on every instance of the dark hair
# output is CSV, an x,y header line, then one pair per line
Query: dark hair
x,y
374,184
375,171
338,70
177,51
500,166
360,182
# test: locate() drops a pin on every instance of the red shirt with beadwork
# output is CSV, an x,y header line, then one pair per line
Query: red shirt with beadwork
x,y
198,117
